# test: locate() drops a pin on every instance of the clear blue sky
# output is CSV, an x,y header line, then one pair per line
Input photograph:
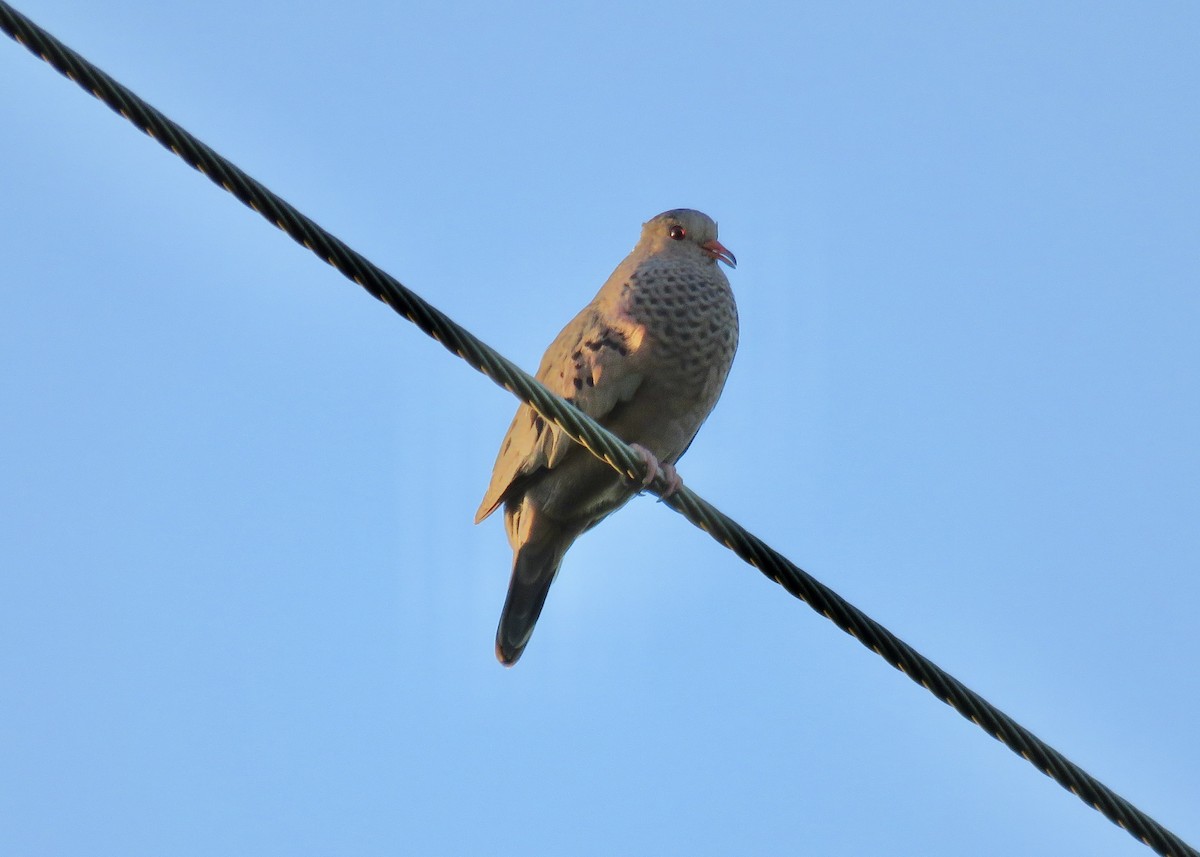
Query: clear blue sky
x,y
243,609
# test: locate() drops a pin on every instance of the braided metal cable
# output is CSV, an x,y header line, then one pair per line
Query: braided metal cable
x,y
598,440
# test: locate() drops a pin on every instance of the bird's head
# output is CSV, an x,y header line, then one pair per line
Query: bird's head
x,y
684,230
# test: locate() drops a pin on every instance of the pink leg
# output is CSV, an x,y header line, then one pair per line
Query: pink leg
x,y
674,480
654,468
649,460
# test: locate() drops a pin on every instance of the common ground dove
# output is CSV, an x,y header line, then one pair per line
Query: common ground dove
x,y
647,358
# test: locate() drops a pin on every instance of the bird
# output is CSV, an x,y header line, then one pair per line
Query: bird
x,y
648,359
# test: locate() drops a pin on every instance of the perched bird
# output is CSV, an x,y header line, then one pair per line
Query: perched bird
x,y
647,358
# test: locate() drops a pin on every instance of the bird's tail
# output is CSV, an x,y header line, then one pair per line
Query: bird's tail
x,y
535,566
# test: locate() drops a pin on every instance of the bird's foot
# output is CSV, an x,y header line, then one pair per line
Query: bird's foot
x,y
674,480
654,467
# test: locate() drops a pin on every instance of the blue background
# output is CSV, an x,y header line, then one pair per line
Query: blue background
x,y
243,609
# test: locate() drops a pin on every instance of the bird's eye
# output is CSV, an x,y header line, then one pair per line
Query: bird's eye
x,y
678,232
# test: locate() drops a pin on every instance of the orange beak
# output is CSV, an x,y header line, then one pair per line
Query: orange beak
x,y
716,250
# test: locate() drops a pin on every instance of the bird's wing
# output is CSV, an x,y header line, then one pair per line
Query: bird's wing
x,y
592,364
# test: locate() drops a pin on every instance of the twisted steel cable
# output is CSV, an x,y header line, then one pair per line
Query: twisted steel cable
x,y
598,440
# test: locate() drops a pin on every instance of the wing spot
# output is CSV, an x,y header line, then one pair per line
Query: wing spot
x,y
607,339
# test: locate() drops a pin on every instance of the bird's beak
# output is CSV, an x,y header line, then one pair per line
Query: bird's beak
x,y
716,250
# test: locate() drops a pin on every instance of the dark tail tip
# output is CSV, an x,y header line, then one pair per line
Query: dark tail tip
x,y
507,654
534,569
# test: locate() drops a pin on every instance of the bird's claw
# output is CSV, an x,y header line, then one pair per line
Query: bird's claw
x,y
654,467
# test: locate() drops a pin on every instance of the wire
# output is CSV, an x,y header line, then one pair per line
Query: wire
x,y
598,440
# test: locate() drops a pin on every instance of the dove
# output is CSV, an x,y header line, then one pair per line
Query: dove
x,y
647,359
